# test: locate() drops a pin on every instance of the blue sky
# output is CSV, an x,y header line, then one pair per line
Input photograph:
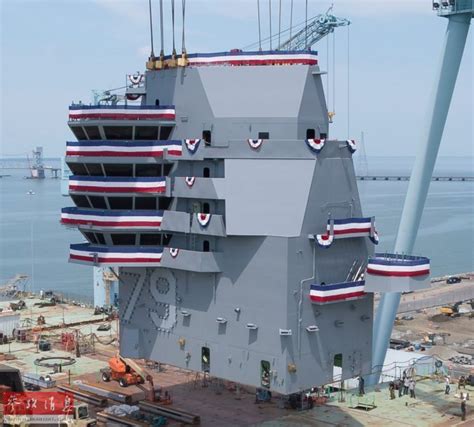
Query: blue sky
x,y
57,51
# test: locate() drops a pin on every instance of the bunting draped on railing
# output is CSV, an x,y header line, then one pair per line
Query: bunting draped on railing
x,y
351,145
203,219
192,145
336,292
123,148
239,58
112,184
121,112
346,228
112,218
148,256
190,180
255,143
135,79
174,252
398,265
316,145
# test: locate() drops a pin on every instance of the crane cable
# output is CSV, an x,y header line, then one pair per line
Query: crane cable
x,y
334,72
172,23
259,28
184,15
162,52
306,26
152,53
270,13
291,21
348,83
279,24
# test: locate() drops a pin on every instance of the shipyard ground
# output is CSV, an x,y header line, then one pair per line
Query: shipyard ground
x,y
221,404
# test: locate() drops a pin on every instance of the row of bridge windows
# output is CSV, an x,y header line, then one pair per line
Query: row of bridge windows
x,y
147,133
122,202
126,170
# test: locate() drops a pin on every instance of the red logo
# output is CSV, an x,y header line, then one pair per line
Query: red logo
x,y
38,403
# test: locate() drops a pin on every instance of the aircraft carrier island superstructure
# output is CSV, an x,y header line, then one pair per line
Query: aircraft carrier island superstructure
x,y
234,220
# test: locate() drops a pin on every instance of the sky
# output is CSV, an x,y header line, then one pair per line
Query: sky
x,y
56,51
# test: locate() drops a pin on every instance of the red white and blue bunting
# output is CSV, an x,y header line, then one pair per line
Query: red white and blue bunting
x,y
138,219
123,148
322,294
351,145
347,228
190,180
115,256
174,252
398,265
255,143
316,145
203,219
100,184
135,79
253,58
192,145
121,112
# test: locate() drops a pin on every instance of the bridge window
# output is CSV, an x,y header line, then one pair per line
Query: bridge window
x,y
323,135
205,359
167,239
121,202
95,169
92,132
78,169
150,239
206,208
118,170
146,132
78,132
164,203
167,169
100,238
206,246
310,134
157,102
206,135
147,203
81,201
91,237
264,135
148,170
206,172
123,239
98,202
118,132
165,132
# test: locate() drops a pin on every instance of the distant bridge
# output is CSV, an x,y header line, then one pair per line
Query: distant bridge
x,y
407,178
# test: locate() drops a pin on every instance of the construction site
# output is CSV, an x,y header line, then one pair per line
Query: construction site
x,y
66,346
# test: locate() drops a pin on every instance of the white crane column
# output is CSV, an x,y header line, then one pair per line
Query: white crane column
x,y
454,42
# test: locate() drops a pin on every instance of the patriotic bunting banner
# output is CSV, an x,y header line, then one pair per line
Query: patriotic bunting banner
x,y
253,58
190,181
135,78
174,252
142,219
192,145
116,255
351,144
346,228
123,148
121,112
316,145
102,184
321,294
203,219
255,143
398,265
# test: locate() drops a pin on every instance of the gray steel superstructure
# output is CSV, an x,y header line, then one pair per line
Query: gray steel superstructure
x,y
216,242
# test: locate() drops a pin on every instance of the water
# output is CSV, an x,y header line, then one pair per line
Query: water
x,y
33,242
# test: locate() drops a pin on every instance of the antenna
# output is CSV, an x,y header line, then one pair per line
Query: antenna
x,y
152,53
162,51
291,22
